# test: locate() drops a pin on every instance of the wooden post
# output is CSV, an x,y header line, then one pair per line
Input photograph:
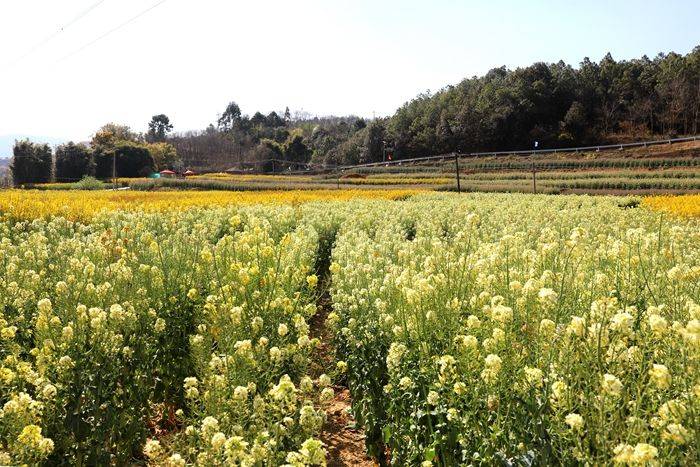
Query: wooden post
x,y
459,188
534,178
337,174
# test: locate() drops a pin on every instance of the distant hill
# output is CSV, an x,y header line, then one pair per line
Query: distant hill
x,y
8,141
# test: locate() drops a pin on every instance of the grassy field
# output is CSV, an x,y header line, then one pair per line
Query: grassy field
x,y
213,328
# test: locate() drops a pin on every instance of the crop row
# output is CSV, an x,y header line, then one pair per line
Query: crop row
x,y
521,330
171,338
525,164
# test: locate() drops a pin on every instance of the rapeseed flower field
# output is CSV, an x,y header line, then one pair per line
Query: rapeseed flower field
x,y
84,205
175,328
685,205
521,329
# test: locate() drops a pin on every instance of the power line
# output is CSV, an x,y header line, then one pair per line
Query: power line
x,y
99,38
52,36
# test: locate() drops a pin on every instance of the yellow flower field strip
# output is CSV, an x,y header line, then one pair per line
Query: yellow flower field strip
x,y
685,205
83,205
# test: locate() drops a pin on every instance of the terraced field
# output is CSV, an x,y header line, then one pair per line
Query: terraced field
x,y
673,168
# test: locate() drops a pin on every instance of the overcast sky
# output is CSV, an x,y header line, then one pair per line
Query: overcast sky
x,y
188,58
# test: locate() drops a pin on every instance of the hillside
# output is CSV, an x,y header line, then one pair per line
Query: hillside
x,y
548,104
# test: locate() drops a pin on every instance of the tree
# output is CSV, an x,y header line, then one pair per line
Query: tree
x,y
274,120
612,98
158,128
31,163
231,118
443,133
287,116
359,124
295,150
112,133
73,162
267,150
132,160
374,142
164,156
258,120
574,123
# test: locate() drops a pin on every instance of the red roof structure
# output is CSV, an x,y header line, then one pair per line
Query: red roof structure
x,y
167,172
188,172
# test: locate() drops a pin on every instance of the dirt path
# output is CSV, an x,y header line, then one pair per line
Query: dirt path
x,y
345,443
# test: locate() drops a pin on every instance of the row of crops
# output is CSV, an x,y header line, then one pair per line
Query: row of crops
x,y
551,181
582,162
472,329
586,184
174,338
636,174
521,330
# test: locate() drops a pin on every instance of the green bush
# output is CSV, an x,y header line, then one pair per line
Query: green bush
x,y
89,183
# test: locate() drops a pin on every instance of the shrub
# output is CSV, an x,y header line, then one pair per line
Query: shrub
x,y
89,183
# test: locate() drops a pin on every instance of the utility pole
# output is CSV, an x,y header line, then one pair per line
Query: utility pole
x,y
459,188
534,176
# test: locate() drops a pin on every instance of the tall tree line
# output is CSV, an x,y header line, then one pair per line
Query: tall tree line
x,y
113,150
556,105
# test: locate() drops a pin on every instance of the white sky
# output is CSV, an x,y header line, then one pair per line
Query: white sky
x,y
188,58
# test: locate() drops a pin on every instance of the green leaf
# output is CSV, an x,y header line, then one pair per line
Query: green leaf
x,y
386,434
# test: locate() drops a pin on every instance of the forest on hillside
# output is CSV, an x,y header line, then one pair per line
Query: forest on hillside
x,y
555,104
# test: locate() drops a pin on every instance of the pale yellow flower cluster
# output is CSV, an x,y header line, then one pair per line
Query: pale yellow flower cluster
x,y
569,316
204,310
472,329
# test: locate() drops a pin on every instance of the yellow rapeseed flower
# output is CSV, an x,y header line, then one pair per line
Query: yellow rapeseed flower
x,y
686,205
